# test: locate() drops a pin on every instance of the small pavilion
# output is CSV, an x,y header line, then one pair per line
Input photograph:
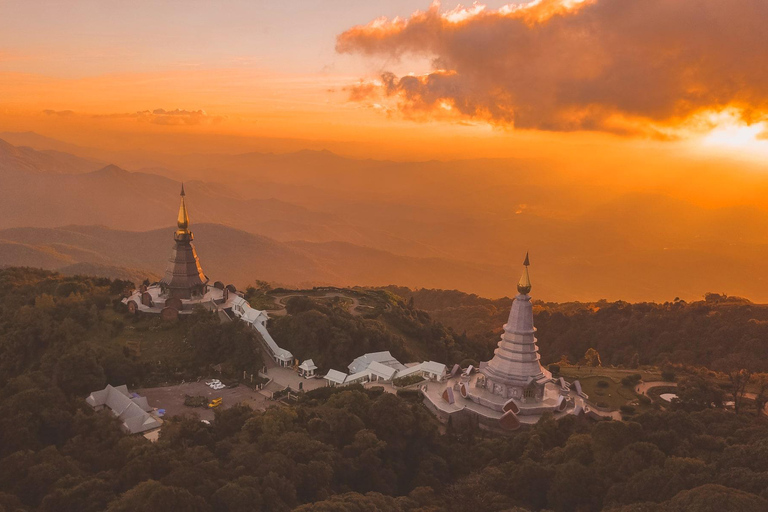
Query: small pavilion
x,y
307,369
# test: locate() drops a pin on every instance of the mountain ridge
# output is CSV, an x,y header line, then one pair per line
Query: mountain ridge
x,y
234,256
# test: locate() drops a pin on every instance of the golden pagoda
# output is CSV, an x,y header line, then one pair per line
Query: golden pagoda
x,y
184,278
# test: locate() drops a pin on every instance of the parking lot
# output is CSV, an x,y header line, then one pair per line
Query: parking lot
x,y
171,398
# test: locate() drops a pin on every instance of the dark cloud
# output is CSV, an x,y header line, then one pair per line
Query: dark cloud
x,y
623,66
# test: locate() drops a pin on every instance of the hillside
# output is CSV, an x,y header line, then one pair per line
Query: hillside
x,y
232,256
704,332
587,240
332,449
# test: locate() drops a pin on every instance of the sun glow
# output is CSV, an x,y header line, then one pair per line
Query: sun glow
x,y
744,142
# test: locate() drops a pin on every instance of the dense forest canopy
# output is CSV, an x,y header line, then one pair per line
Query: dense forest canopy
x,y
700,333
348,449
333,337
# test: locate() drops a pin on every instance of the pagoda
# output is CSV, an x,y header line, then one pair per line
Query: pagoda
x,y
185,288
515,370
184,277
510,390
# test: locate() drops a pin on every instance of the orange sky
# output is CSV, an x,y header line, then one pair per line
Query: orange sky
x,y
506,80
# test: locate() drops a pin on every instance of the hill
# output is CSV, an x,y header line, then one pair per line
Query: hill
x,y
334,449
588,239
699,333
231,255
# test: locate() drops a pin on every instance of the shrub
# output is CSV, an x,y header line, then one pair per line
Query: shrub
x,y
408,380
554,369
603,384
409,394
668,375
631,381
627,409
195,401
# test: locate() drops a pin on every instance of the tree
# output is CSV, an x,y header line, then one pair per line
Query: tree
x,y
715,498
592,358
695,393
152,496
761,397
738,370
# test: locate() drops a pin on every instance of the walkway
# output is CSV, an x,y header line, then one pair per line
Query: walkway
x,y
643,387
289,378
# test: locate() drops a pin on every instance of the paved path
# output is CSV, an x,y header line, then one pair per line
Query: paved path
x,y
171,398
288,378
643,387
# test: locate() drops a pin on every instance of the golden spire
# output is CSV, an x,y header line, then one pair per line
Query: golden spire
x,y
183,221
524,285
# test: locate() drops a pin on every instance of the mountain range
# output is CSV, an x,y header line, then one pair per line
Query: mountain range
x,y
314,217
230,255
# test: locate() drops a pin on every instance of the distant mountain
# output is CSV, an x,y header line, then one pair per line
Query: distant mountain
x,y
28,160
450,223
237,257
43,195
41,142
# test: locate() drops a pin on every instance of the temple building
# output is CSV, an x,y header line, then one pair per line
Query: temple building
x,y
185,287
184,278
510,389
515,370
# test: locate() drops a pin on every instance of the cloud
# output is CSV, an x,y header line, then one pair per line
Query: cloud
x,y
622,66
59,113
177,117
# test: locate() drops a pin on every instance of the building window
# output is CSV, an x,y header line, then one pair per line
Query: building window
x,y
530,392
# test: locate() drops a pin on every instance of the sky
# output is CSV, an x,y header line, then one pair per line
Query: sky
x,y
650,116
401,79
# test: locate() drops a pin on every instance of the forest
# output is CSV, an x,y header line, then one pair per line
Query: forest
x,y
699,333
348,449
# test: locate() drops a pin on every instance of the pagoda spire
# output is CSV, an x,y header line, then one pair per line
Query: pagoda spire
x,y
183,220
184,278
524,285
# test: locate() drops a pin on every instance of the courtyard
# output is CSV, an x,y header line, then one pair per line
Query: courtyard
x,y
171,398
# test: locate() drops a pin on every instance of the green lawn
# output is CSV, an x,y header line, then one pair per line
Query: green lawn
x,y
582,372
612,397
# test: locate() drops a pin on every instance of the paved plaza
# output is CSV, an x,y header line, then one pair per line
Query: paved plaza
x,y
171,398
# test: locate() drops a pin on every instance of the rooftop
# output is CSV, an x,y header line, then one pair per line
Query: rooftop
x,y
132,411
336,376
361,363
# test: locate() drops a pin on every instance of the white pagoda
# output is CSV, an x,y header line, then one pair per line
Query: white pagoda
x,y
512,388
515,370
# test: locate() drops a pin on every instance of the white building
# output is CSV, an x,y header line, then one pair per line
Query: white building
x,y
510,389
133,412
307,369
335,378
361,363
